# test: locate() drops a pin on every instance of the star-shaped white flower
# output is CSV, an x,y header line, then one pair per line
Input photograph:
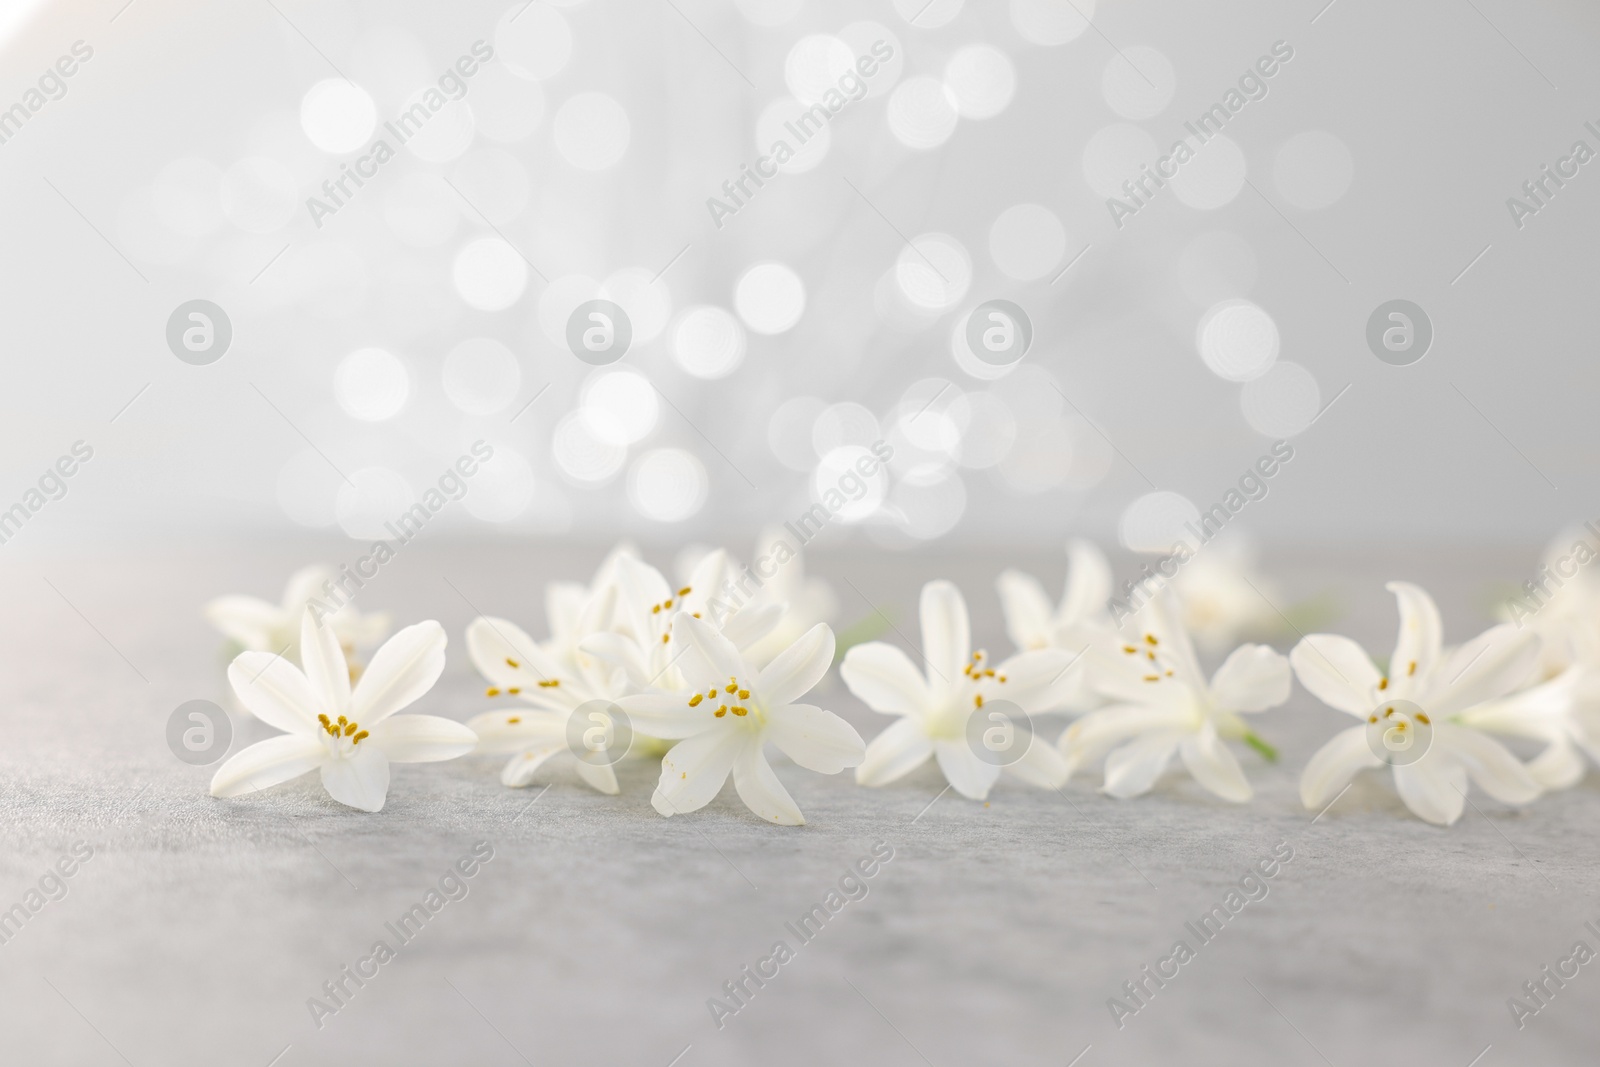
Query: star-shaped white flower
x,y
262,626
554,679
803,600
1224,597
935,705
1081,617
1163,704
350,736
728,713
1447,689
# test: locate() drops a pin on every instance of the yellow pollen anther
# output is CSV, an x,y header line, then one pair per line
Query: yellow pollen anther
x,y
664,639
1152,677
668,603
1387,712
1001,679
694,701
655,609
744,694
1152,655
977,700
741,711
988,673
491,692
350,730
1383,683
323,719
514,690
1169,672
697,614
722,711
513,664
549,683
1412,669
356,740
1129,649
1424,719
514,719
1372,718
1151,639
731,687
342,720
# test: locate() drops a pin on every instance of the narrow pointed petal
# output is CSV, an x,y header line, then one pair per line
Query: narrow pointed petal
x,y
751,623
1029,619
248,620
1042,765
966,773
266,763
1253,678
599,776
1214,766
1417,649
1485,668
1132,770
520,769
639,588
946,634
275,691
360,780
304,585
668,715
509,731
817,740
1036,682
421,738
506,656
1434,788
797,669
761,791
1334,765
564,603
1490,764
693,772
885,679
1559,766
1097,733
324,663
1088,584
707,658
894,753
1338,672
622,651
400,673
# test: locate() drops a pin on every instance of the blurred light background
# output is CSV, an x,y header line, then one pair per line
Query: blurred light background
x,y
374,344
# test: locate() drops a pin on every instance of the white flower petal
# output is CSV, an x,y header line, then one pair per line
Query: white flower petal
x,y
706,658
323,662
266,763
894,753
1213,766
1163,617
1029,619
275,691
966,773
797,669
640,587
564,603
360,780
1434,788
1036,682
761,791
1417,649
668,715
1337,672
817,740
1334,764
520,769
400,673
885,679
1042,765
599,776
305,585
421,738
620,651
1097,733
1253,678
1485,668
751,623
1088,584
495,644
1132,770
248,620
1490,764
509,731
1559,766
946,634
693,772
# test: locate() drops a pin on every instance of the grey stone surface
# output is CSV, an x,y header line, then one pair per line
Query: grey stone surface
x,y
200,927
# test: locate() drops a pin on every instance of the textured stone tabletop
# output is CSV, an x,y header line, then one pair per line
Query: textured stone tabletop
x,y
197,929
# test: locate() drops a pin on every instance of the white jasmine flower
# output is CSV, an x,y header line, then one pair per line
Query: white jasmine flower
x,y
646,611
935,705
1223,597
1447,689
1080,618
803,601
554,679
731,711
260,626
1561,605
1163,704
1563,712
351,736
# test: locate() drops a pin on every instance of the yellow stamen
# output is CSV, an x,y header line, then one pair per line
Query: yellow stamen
x,y
1424,719
744,694
1151,639
514,690
514,719
685,591
694,701
1413,668
977,700
513,664
741,711
356,740
491,692
720,712
1383,683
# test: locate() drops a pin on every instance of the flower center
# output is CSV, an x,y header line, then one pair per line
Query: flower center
x,y
661,614
732,699
343,735
1155,665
